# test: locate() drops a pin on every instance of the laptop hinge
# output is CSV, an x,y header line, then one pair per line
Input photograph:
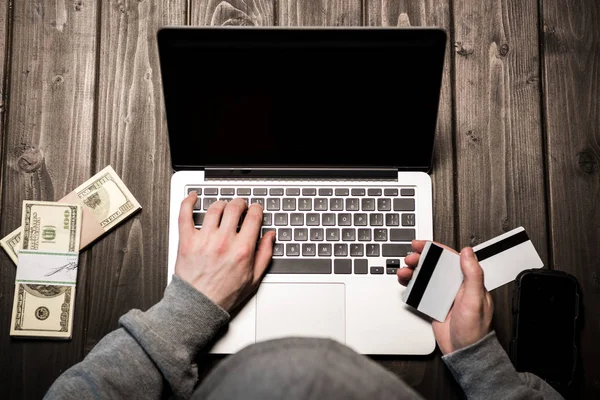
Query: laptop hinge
x,y
303,173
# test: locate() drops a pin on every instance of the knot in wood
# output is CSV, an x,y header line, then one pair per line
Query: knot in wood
x,y
31,160
78,5
58,79
503,50
462,50
587,162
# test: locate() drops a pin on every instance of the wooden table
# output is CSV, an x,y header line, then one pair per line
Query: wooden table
x,y
517,144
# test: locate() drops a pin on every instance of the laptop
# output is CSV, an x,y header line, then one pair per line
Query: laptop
x,y
332,131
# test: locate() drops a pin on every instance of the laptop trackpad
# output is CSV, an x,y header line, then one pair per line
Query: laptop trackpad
x,y
301,309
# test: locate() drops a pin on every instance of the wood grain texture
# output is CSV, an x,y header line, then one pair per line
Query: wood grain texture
x,y
500,169
129,266
319,13
572,73
233,12
429,375
48,140
5,30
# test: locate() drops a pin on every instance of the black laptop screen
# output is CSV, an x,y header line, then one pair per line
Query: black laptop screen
x,y
301,97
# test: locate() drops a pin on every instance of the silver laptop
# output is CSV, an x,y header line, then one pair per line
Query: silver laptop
x,y
332,131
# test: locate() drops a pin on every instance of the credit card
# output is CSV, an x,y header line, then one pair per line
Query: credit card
x,y
438,277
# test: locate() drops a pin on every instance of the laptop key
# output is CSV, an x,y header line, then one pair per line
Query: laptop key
x,y
292,249
276,191
244,192
195,189
313,219
207,202
325,192
361,266
408,219
376,270
344,219
259,191
309,192
278,249
336,204
342,266
372,250
258,200
281,219
227,191
273,204
364,234
309,249
357,192
305,204
380,235
264,231
328,219
297,219
396,250
284,234
368,204
320,204
211,191
404,204
390,192
360,219
376,219
401,235
332,234
384,204
301,234
407,192
348,234
374,192
352,204
357,250
198,218
316,234
392,265
298,266
324,249
292,192
198,204
267,219
340,249
342,192
392,219
289,204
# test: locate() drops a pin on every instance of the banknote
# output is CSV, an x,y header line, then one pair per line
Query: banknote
x,y
105,201
44,296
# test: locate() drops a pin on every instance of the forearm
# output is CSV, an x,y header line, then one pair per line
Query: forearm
x,y
151,354
483,370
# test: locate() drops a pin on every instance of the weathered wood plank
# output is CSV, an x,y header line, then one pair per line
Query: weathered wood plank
x,y
129,266
233,12
319,13
48,141
572,71
428,375
5,30
500,181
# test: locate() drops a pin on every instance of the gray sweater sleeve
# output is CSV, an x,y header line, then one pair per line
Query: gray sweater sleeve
x,y
484,371
152,354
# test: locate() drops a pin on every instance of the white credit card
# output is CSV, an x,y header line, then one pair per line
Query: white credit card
x,y
437,277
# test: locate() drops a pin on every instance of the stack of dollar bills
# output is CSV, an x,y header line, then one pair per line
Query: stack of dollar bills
x,y
46,250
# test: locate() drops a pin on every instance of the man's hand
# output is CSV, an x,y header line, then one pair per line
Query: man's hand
x,y
223,264
471,314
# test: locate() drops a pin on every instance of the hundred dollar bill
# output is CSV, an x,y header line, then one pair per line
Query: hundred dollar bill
x,y
44,296
106,202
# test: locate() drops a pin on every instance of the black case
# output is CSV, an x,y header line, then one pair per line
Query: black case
x,y
563,386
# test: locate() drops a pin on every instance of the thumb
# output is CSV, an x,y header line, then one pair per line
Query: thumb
x,y
472,271
263,256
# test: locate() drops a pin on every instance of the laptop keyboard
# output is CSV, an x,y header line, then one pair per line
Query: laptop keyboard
x,y
336,230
